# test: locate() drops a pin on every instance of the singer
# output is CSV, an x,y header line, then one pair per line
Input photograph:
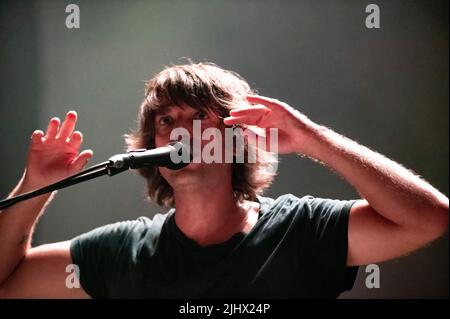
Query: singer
x,y
220,237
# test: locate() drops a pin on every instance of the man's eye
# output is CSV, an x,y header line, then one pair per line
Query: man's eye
x,y
165,120
201,116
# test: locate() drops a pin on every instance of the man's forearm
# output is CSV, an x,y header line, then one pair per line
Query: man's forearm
x,y
391,190
16,227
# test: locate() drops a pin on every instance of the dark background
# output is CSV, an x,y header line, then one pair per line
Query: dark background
x,y
386,88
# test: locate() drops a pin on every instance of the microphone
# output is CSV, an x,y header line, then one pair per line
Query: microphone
x,y
161,156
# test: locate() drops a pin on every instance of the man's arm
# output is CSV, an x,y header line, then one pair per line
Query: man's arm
x,y
27,272
43,273
399,213
39,272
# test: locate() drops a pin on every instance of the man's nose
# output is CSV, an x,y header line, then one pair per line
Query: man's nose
x,y
186,134
186,123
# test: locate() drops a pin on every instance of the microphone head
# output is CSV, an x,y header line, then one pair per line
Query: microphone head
x,y
179,153
174,156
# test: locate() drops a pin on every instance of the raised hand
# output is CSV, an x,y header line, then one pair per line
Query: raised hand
x,y
56,155
266,113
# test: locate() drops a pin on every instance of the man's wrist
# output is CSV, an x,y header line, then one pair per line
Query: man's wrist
x,y
309,139
27,185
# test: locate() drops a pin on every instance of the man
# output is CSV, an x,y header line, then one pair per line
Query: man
x,y
221,238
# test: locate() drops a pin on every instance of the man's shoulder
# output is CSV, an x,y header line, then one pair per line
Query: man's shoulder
x,y
125,230
284,201
306,207
288,199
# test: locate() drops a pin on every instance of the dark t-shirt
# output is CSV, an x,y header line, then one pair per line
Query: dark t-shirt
x,y
297,249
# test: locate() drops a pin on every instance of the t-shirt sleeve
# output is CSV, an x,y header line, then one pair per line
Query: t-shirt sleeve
x,y
101,256
324,226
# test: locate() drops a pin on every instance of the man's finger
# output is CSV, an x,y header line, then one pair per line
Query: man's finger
x,y
272,104
259,110
80,161
68,125
249,120
36,137
76,140
52,129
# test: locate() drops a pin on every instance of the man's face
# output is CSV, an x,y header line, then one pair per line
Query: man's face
x,y
172,117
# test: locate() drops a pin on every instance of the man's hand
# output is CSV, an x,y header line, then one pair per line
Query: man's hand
x,y
294,128
56,155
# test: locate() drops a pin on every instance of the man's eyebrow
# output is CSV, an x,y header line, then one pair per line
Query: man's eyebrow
x,y
162,110
166,109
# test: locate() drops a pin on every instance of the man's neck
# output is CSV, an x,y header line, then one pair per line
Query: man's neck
x,y
212,215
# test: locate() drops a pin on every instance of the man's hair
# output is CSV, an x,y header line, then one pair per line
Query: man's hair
x,y
206,87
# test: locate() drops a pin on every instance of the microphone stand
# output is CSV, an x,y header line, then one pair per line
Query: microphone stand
x,y
105,168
